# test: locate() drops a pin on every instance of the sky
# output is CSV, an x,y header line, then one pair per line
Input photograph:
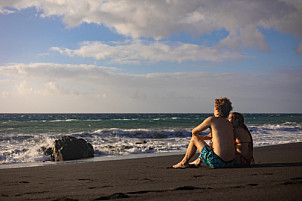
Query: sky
x,y
150,56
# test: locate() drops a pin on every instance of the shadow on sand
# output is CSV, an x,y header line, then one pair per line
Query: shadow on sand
x,y
276,165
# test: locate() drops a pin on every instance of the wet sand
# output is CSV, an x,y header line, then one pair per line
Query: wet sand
x,y
277,175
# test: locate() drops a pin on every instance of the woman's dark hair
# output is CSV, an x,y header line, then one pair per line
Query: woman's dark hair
x,y
240,118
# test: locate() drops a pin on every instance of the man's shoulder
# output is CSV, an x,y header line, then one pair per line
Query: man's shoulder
x,y
210,118
219,120
215,118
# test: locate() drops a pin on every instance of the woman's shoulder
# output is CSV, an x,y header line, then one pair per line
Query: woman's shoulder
x,y
239,129
241,134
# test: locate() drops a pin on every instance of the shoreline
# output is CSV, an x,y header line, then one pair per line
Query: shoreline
x,y
276,175
105,158
88,160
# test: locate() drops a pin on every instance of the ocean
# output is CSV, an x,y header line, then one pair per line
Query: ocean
x,y
23,137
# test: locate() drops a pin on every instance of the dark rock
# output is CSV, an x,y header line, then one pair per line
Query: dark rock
x,y
70,148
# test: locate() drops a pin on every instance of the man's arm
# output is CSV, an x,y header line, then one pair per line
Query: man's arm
x,y
203,126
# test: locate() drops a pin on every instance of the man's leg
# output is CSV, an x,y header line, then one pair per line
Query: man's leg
x,y
196,143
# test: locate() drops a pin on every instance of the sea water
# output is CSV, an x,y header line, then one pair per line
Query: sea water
x,y
24,137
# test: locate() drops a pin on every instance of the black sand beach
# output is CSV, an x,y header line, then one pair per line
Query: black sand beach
x,y
277,175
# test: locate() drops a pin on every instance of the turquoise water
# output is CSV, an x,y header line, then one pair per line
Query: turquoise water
x,y
69,123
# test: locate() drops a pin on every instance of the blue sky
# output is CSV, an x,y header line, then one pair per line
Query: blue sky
x,y
150,56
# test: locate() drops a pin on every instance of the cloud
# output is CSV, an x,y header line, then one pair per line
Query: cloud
x,y
44,79
30,88
4,11
160,19
82,88
22,89
246,37
137,51
4,94
54,71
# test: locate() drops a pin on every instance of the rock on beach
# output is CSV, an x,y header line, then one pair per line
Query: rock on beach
x,y
70,148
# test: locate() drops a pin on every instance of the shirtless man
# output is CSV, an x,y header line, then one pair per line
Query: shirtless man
x,y
222,153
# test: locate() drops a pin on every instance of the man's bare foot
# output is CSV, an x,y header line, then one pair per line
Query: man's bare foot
x,y
180,165
197,162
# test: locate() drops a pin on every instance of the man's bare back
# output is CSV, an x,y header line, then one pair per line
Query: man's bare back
x,y
222,136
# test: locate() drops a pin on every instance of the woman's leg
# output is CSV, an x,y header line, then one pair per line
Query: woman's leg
x,y
196,143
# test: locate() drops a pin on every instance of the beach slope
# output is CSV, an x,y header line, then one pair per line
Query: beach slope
x,y
277,175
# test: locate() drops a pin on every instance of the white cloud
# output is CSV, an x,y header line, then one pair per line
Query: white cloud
x,y
246,37
54,71
159,19
6,11
82,88
53,88
136,51
32,88
22,89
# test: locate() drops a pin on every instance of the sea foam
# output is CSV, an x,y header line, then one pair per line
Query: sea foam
x,y
20,148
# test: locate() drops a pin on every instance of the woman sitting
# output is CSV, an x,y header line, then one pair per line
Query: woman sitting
x,y
243,140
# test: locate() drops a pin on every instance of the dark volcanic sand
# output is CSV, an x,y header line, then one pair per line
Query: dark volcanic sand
x,y
277,175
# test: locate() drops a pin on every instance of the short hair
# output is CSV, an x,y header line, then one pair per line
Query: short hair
x,y
223,106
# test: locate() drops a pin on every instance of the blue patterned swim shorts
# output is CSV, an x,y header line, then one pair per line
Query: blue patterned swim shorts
x,y
208,157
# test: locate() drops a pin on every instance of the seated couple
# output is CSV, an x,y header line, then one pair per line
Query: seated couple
x,y
231,145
